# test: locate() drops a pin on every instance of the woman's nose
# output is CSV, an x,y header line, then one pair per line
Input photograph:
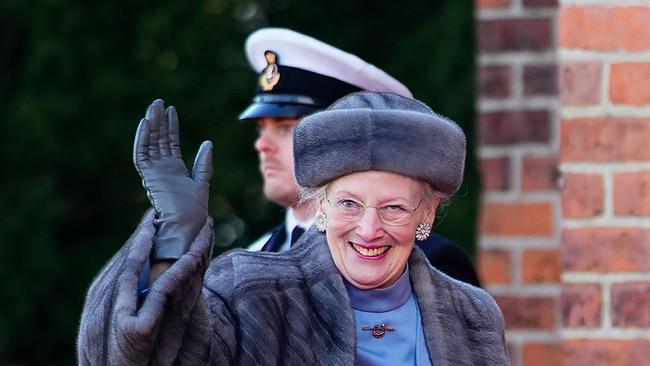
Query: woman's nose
x,y
370,226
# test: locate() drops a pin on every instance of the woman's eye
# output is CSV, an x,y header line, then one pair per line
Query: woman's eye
x,y
348,204
394,208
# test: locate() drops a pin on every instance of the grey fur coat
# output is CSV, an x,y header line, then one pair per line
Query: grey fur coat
x,y
251,308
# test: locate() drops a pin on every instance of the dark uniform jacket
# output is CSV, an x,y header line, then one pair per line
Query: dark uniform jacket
x,y
251,308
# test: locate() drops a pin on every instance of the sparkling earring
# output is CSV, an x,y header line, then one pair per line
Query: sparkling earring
x,y
321,221
423,231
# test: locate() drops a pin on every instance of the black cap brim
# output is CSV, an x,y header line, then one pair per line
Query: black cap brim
x,y
276,110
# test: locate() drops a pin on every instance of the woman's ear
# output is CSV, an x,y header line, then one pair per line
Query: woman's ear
x,y
319,204
432,208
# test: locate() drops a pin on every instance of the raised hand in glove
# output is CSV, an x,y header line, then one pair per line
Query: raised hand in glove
x,y
179,199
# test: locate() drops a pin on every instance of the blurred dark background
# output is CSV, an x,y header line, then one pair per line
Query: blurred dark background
x,y
76,77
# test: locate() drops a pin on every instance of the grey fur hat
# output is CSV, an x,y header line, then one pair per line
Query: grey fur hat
x,y
379,131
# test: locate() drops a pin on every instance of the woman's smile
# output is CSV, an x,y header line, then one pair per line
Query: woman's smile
x,y
371,253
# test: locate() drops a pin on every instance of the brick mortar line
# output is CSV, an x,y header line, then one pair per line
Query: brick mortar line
x,y
607,280
517,82
517,359
525,290
516,13
515,349
606,334
623,167
610,56
608,199
518,242
557,211
511,243
523,57
517,261
529,149
492,154
608,172
600,111
611,113
606,307
559,317
608,3
570,277
526,336
515,353
519,338
555,29
551,197
517,96
605,100
517,103
514,172
556,129
608,215
607,222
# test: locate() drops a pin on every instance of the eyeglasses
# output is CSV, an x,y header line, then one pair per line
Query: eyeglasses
x,y
348,209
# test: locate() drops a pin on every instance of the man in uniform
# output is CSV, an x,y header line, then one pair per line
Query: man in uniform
x,y
300,75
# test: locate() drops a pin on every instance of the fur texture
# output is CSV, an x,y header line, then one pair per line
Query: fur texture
x,y
255,308
379,131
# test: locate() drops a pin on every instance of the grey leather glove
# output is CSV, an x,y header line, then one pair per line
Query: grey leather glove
x,y
179,199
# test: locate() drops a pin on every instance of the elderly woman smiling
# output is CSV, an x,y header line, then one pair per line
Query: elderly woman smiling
x,y
371,249
353,290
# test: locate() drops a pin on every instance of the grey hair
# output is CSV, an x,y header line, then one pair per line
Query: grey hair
x,y
432,195
310,196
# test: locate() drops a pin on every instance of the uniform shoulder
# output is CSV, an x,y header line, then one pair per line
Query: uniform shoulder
x,y
258,244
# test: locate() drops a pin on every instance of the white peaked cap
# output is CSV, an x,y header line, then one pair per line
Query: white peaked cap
x,y
303,52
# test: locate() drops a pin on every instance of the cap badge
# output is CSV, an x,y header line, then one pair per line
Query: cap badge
x,y
270,75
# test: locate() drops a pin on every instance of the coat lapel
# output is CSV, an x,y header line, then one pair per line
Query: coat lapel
x,y
459,320
428,301
330,298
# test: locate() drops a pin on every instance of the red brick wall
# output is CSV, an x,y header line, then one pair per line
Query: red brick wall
x,y
564,143
605,159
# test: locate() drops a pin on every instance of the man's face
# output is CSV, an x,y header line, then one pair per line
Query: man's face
x,y
275,149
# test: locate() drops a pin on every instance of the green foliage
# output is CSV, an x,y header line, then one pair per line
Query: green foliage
x,y
77,77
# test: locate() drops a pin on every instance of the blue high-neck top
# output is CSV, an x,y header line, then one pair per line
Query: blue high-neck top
x,y
397,308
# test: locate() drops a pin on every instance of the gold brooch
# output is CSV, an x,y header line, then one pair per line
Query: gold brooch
x,y
270,75
379,330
